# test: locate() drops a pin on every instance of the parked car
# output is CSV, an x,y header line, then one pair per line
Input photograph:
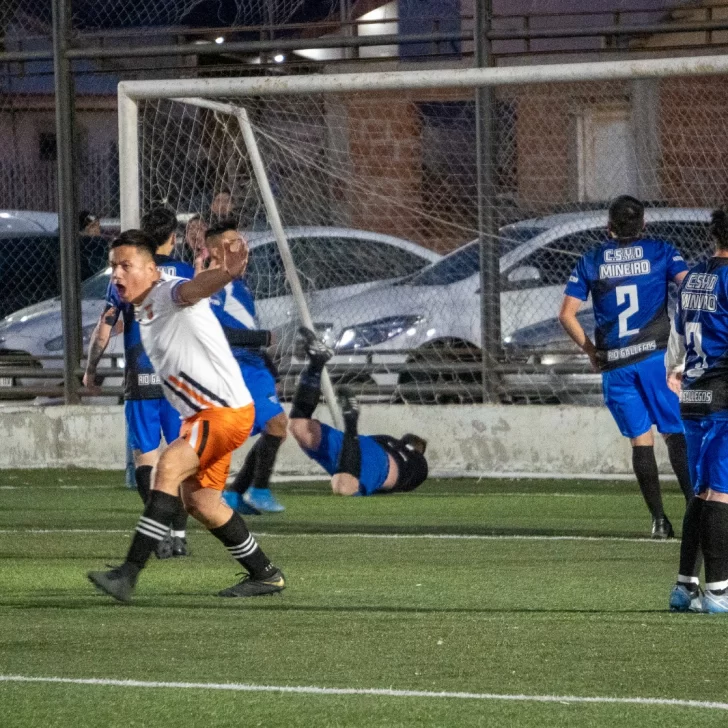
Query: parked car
x,y
435,314
27,221
333,264
30,267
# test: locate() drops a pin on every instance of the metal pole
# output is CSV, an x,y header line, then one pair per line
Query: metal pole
x,y
128,161
288,264
67,223
490,329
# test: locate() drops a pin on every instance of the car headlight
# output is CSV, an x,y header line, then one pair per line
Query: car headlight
x,y
57,343
376,332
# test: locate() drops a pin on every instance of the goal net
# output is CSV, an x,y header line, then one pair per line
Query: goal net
x,y
377,191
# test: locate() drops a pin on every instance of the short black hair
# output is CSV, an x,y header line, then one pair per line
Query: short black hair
x,y
159,223
719,228
138,239
626,217
417,442
85,218
221,226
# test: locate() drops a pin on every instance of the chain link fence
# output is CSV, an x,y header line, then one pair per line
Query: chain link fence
x,y
404,165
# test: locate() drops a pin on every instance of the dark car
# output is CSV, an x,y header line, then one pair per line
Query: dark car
x,y
30,266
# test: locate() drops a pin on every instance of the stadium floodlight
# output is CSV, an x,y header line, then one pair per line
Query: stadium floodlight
x,y
394,153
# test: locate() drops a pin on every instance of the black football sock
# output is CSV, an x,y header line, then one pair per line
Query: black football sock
x,y
244,478
179,522
645,468
677,450
268,446
305,400
143,475
243,547
714,542
690,554
152,527
350,455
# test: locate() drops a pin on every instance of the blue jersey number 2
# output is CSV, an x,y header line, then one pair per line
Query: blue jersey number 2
x,y
628,295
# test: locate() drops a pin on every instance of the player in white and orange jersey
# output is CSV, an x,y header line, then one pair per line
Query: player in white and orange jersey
x,y
202,380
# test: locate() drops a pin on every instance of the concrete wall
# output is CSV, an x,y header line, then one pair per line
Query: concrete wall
x,y
464,440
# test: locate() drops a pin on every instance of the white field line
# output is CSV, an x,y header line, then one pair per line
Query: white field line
x,y
386,536
377,692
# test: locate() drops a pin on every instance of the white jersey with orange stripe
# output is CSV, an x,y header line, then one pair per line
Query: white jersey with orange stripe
x,y
189,351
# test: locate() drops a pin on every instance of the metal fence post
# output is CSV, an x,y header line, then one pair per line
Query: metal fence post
x,y
487,223
67,222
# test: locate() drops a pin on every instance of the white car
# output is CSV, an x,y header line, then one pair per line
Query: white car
x,y
333,264
437,311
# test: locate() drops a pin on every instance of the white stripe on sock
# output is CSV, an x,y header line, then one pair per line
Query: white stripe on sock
x,y
154,526
716,585
688,579
178,534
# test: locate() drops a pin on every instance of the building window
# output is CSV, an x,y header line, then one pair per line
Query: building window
x,y
47,147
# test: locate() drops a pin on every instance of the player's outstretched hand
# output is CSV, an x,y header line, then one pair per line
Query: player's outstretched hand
x,y
235,254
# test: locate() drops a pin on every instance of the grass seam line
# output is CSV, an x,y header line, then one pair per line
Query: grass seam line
x,y
378,692
394,536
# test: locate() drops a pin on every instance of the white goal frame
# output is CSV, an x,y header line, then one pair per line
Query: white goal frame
x,y
204,92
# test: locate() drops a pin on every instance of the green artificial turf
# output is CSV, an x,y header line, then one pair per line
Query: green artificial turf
x,y
376,599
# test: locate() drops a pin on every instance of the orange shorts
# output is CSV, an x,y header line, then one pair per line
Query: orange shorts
x,y
214,433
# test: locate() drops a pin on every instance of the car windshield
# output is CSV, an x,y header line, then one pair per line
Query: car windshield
x,y
511,236
94,288
465,262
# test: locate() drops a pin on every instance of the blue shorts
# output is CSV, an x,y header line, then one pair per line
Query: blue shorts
x,y
147,420
262,389
638,397
374,460
708,454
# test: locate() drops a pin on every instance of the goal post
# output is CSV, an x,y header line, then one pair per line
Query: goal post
x,y
388,159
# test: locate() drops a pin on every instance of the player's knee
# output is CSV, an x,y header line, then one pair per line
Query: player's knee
x,y
278,426
343,484
299,429
193,509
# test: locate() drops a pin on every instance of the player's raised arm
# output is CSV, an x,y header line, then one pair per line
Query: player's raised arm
x,y
207,282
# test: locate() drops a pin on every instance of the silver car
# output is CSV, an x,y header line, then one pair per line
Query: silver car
x,y
435,314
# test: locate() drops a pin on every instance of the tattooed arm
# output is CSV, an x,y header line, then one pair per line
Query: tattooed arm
x,y
97,346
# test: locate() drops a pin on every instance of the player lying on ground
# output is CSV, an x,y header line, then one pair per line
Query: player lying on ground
x,y
148,414
234,308
696,367
628,276
358,464
202,380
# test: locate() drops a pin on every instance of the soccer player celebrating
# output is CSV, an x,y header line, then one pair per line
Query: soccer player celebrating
x,y
696,366
628,277
148,414
235,310
358,464
202,380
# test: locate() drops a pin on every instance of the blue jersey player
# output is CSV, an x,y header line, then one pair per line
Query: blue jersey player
x,y
148,414
234,308
697,365
358,464
628,277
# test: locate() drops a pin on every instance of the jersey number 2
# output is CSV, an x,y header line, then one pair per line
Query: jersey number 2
x,y
628,295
